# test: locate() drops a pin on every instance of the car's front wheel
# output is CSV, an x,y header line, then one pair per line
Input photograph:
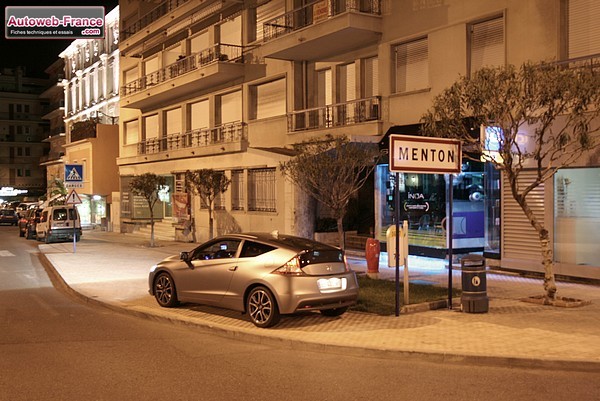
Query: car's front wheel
x,y
334,312
262,308
164,291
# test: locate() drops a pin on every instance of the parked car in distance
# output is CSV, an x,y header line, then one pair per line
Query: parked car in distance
x,y
262,274
28,222
8,216
59,223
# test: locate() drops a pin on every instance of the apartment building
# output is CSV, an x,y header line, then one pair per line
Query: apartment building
x,y
56,134
21,133
91,115
230,85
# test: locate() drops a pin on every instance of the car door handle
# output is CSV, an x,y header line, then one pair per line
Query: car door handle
x,y
233,268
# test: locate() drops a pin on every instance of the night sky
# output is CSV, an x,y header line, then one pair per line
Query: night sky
x,y
37,54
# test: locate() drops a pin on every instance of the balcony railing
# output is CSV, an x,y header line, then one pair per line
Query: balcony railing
x,y
161,10
226,133
219,52
314,13
335,115
592,61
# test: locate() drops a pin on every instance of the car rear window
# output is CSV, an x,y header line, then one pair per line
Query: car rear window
x,y
7,212
321,256
61,214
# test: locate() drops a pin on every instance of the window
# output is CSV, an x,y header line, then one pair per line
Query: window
x,y
270,99
266,12
151,126
577,207
252,249
131,135
487,44
237,190
412,66
261,190
173,122
370,77
584,30
199,115
324,88
230,107
220,249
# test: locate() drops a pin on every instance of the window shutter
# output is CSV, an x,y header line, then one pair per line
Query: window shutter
x,y
487,44
151,126
584,28
271,99
231,107
173,121
199,115
412,66
265,13
520,240
371,77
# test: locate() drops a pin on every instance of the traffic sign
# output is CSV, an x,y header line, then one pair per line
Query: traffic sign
x,y
74,175
73,198
412,154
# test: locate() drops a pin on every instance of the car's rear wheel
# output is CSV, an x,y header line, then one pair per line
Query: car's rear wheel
x,y
334,312
262,308
164,291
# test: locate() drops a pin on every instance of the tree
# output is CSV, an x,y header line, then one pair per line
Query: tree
x,y
207,184
147,186
57,191
541,116
331,170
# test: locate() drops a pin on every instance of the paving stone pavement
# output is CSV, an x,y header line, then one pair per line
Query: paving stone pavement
x,y
112,269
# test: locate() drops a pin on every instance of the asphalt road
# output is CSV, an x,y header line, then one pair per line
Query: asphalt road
x,y
54,348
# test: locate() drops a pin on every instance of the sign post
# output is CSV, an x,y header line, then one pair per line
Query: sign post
x,y
415,154
73,199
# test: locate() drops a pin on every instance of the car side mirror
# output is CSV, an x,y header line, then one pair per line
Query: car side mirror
x,y
185,256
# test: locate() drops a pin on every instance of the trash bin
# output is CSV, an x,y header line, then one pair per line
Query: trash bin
x,y
474,297
372,250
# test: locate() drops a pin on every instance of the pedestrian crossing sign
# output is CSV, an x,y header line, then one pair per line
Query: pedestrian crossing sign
x,y
74,175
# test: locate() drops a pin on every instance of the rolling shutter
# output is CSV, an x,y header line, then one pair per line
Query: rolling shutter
x,y
487,44
520,240
265,13
584,29
412,66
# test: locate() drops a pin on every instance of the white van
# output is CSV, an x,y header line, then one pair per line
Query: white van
x,y
59,223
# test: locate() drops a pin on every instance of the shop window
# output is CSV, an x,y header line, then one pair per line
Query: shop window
x,y
577,216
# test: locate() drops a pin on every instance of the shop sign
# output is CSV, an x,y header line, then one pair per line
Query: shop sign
x,y
424,155
10,191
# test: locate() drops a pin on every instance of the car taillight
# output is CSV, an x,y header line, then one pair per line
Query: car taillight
x,y
290,268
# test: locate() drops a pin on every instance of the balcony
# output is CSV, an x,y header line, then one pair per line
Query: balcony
x,y
592,62
213,66
337,115
323,29
167,19
205,141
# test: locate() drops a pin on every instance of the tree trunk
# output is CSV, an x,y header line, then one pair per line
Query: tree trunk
x,y
549,280
340,227
151,225
210,221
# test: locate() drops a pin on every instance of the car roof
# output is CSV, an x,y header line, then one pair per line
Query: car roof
x,y
282,241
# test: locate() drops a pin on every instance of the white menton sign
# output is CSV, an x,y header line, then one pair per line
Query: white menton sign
x,y
416,154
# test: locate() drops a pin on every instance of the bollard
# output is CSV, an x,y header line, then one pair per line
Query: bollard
x,y
372,250
474,297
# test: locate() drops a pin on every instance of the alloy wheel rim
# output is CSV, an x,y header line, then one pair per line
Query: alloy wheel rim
x,y
260,307
164,289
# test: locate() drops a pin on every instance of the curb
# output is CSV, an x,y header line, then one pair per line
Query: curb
x,y
221,330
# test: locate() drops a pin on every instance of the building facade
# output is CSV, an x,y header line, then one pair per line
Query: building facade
x,y
230,85
56,134
21,133
91,99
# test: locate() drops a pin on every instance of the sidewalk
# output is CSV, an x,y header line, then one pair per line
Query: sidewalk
x,y
112,269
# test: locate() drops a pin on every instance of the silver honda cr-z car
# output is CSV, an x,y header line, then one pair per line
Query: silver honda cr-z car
x,y
262,274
